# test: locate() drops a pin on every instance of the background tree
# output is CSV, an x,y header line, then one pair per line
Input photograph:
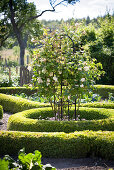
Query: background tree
x,y
19,16
15,14
99,42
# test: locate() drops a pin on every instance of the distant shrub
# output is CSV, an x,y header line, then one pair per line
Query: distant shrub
x,y
104,90
18,90
6,83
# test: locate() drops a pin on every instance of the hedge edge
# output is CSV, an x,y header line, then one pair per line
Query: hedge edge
x,y
60,145
16,104
1,112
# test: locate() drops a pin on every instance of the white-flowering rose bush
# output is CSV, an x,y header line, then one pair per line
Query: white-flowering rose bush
x,y
61,73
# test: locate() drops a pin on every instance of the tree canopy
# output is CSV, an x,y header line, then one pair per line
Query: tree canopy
x,y
18,19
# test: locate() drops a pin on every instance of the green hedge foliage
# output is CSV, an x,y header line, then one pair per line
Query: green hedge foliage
x,y
104,90
18,90
15,104
108,105
29,121
1,112
59,145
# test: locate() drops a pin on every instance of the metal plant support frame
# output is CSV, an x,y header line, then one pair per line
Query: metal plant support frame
x,y
60,104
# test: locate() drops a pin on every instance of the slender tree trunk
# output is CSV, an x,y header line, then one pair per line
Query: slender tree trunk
x,y
22,53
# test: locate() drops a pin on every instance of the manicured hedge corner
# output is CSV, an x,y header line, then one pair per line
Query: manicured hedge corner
x,y
15,104
1,112
59,145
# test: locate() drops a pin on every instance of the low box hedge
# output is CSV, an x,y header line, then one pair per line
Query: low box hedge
x,y
104,90
16,104
1,112
59,145
29,121
108,105
18,90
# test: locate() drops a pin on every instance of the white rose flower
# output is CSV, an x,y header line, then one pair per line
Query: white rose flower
x,y
82,85
48,80
43,60
68,97
55,78
38,65
82,79
39,80
51,74
86,68
29,68
84,63
60,72
47,83
80,69
32,40
44,70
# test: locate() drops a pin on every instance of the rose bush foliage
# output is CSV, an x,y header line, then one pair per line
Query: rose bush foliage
x,y
61,71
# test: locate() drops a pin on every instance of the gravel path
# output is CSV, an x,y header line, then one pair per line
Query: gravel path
x,y
3,122
68,164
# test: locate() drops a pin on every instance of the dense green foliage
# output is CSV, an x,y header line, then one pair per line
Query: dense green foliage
x,y
1,112
15,104
60,145
96,36
25,161
99,43
34,120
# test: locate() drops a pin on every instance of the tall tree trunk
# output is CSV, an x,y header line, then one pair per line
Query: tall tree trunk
x,y
22,53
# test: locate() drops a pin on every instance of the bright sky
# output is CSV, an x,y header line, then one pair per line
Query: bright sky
x,y
84,8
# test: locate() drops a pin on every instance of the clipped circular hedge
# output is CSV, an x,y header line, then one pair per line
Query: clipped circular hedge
x,y
96,119
50,139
